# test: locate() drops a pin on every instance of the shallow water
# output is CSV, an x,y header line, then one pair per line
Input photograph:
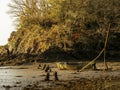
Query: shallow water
x,y
16,78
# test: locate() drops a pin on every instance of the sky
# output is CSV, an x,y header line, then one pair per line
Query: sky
x,y
6,22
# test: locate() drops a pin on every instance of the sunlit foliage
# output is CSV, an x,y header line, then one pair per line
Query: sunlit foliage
x,y
68,24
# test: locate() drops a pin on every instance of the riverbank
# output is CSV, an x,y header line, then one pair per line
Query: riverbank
x,y
29,77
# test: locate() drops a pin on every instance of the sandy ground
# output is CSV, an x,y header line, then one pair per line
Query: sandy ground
x,y
25,76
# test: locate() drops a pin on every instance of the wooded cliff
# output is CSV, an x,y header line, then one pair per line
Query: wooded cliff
x,y
63,29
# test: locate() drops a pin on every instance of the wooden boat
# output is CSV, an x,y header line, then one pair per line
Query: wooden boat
x,y
72,65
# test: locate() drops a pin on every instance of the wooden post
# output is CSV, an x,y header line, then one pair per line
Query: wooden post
x,y
50,70
47,78
93,60
102,51
94,66
105,44
35,61
55,76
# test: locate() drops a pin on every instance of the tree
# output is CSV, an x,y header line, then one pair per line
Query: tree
x,y
77,24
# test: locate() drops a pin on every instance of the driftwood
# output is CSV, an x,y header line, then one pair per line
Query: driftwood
x,y
39,66
102,51
47,68
73,65
44,66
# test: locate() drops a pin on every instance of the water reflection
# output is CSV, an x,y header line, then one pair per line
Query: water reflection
x,y
16,77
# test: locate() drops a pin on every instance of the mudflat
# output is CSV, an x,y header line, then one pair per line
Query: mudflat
x,y
29,77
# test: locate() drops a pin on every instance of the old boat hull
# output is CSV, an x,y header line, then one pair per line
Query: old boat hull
x,y
72,66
